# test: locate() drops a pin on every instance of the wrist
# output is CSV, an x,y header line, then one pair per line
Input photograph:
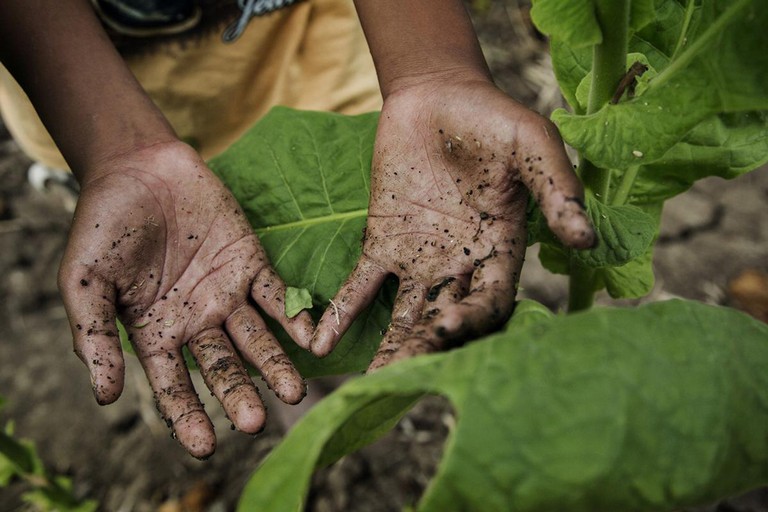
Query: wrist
x,y
423,79
83,91
413,42
113,143
168,161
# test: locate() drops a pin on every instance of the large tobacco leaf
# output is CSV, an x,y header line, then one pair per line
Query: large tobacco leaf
x,y
303,179
650,409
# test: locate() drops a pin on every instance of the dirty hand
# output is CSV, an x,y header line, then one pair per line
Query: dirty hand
x,y
452,169
158,240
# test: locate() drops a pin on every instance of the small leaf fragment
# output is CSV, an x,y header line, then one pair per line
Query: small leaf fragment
x,y
296,300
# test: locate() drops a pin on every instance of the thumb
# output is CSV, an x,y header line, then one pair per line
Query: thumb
x,y
90,304
547,173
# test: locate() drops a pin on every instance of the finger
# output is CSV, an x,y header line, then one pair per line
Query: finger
x,y
487,306
268,290
175,397
228,379
90,305
406,312
357,293
547,172
444,292
260,348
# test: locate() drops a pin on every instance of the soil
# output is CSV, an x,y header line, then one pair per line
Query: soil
x,y
123,456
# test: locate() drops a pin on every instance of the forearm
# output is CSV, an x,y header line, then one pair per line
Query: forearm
x,y
80,86
412,41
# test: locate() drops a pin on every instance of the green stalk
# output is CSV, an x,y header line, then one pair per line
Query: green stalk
x,y
609,64
682,38
581,292
625,187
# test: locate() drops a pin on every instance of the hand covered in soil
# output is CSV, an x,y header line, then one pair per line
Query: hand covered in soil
x,y
452,168
160,241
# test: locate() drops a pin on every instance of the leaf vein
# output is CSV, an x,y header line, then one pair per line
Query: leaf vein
x,y
325,253
323,219
319,164
282,176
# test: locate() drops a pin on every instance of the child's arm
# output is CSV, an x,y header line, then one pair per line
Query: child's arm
x,y
156,237
87,97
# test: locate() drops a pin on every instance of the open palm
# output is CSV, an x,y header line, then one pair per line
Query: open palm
x,y
452,169
158,240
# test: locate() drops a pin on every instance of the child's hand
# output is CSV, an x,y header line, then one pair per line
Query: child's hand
x,y
159,240
452,169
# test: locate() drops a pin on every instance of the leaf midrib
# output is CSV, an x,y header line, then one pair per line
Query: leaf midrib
x,y
303,223
700,43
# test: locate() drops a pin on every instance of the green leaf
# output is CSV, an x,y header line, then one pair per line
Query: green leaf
x,y
623,232
58,498
296,300
7,471
19,458
573,22
555,258
722,67
605,410
641,13
726,145
632,280
571,65
370,422
21,455
303,181
528,312
674,21
537,228
7,467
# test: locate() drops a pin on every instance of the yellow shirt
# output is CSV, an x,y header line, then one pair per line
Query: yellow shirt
x,y
311,55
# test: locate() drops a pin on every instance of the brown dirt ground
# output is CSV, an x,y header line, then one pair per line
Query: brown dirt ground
x,y
122,455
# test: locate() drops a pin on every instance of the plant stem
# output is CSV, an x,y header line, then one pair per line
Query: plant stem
x,y
595,179
609,64
682,39
580,288
627,180
609,58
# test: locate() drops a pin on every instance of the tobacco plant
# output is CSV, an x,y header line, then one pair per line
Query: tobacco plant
x,y
648,408
47,493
